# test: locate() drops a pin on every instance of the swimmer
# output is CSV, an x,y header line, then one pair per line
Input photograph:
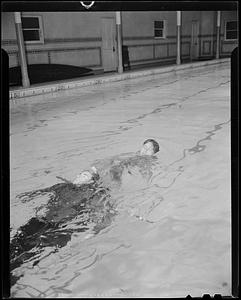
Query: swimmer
x,y
83,202
84,199
112,169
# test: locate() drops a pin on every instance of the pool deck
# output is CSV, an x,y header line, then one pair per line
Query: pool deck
x,y
38,89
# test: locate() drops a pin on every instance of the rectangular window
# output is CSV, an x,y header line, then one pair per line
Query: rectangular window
x,y
159,29
231,30
32,29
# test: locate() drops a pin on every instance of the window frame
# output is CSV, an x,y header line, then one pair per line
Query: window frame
x,y
164,29
40,29
225,31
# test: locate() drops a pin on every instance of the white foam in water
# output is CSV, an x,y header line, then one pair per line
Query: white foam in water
x,y
171,234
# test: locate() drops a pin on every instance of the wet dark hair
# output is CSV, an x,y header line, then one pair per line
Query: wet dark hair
x,y
154,143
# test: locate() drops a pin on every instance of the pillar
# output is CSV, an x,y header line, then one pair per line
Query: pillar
x,y
218,34
178,60
22,53
119,41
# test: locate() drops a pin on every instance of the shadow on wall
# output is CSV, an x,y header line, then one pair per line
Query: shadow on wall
x,y
39,73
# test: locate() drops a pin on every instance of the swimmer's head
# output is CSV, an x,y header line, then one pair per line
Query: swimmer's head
x,y
86,177
83,178
150,147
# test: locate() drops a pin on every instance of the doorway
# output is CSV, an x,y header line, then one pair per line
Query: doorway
x,y
194,51
109,49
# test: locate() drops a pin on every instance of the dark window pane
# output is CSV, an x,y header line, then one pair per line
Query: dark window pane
x,y
231,25
30,22
31,35
158,24
232,35
159,33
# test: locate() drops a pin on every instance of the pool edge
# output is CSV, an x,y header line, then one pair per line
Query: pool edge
x,y
99,79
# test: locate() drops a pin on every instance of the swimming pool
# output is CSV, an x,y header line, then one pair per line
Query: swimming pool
x,y
171,236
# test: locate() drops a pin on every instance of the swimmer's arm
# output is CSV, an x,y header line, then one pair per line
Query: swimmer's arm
x,y
63,179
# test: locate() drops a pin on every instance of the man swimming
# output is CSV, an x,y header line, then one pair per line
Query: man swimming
x,y
84,201
73,207
111,170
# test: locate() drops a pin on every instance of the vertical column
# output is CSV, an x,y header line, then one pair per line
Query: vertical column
x,y
119,41
178,60
218,34
22,54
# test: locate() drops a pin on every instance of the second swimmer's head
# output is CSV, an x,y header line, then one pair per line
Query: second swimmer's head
x,y
86,177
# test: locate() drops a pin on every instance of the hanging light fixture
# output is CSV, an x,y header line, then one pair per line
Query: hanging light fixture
x,y
87,6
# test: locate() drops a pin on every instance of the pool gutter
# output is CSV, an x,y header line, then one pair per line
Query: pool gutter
x,y
52,87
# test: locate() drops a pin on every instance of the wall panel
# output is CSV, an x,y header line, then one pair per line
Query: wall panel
x,y
37,57
82,57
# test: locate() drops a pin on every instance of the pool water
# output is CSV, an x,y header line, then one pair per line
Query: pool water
x,y
170,232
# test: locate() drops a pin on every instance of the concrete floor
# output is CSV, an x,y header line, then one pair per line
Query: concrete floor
x,y
172,235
